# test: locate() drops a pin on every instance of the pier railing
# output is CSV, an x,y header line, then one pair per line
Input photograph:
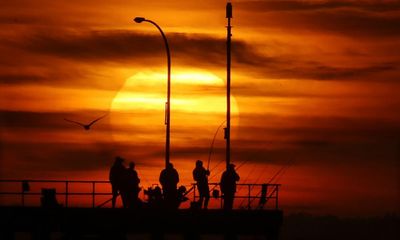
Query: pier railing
x,y
248,195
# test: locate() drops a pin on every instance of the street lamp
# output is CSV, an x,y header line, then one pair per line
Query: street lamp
x,y
168,103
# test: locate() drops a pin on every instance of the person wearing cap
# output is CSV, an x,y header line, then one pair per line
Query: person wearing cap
x,y
116,177
200,175
169,179
228,186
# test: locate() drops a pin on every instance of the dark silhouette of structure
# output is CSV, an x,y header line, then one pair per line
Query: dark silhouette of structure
x,y
132,186
155,215
200,175
86,126
228,84
228,186
168,102
48,199
117,175
169,179
151,217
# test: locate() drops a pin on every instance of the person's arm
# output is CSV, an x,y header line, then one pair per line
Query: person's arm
x,y
110,175
137,177
222,183
194,175
161,178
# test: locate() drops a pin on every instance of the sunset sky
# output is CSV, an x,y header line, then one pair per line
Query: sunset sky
x,y
315,86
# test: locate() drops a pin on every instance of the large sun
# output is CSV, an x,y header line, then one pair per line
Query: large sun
x,y
198,107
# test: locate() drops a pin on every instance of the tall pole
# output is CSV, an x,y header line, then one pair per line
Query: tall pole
x,y
168,103
228,85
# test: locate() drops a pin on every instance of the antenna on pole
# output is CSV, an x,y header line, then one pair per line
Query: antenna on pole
x,y
228,84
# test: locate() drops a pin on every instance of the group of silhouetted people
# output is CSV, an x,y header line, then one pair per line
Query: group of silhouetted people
x,y
125,182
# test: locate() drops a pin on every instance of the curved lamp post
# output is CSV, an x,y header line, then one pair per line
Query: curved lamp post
x,y
167,104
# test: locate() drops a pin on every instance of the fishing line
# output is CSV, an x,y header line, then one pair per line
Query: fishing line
x,y
212,144
252,187
289,162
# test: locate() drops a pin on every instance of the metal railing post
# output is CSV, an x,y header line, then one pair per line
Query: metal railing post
x,y
249,197
93,194
276,199
194,192
221,202
23,194
66,194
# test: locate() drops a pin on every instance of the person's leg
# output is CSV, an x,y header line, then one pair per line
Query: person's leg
x,y
125,198
206,196
201,199
206,199
114,191
228,201
231,199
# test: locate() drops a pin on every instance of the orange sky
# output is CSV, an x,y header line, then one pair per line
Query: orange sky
x,y
315,83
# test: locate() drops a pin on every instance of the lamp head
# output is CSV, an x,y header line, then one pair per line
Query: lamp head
x,y
139,19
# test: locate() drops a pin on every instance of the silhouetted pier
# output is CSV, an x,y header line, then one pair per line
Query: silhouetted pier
x,y
71,222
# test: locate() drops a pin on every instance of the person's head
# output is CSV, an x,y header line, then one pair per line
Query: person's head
x,y
231,167
118,160
131,165
170,166
199,163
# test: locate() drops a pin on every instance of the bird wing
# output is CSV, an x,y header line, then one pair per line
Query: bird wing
x,y
80,124
90,124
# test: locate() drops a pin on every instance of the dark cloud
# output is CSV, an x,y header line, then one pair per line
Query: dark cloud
x,y
288,5
44,120
121,46
351,23
318,71
20,78
363,20
194,50
57,156
320,140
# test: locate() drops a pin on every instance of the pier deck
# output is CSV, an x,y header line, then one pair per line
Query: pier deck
x,y
106,221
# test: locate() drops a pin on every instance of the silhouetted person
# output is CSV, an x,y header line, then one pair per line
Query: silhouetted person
x,y
228,186
117,175
132,186
200,175
169,179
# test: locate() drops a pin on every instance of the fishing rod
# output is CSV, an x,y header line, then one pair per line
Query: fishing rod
x,y
221,172
281,170
250,173
212,145
240,165
252,187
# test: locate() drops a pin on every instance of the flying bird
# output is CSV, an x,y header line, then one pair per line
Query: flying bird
x,y
86,126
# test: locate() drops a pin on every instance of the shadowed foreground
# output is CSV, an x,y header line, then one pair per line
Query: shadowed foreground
x,y
116,223
307,227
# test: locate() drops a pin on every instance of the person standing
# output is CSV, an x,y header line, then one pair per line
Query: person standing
x,y
116,177
169,179
133,188
200,175
228,186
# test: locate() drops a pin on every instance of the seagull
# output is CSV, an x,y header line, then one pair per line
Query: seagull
x,y
86,126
